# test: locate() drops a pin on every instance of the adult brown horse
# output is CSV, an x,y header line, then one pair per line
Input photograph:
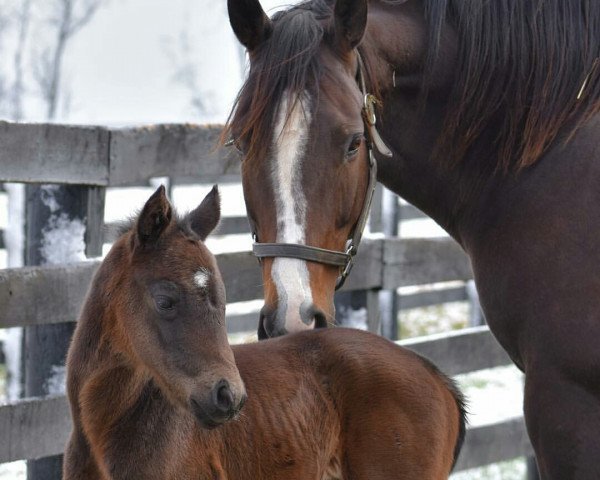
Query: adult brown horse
x,y
151,375
490,110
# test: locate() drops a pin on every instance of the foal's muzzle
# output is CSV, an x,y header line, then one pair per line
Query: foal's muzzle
x,y
221,405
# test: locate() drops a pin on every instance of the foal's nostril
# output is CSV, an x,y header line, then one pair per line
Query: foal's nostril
x,y
242,402
223,397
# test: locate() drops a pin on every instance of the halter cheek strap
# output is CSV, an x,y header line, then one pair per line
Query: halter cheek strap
x,y
344,260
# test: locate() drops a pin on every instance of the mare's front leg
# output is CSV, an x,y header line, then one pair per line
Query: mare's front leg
x,y
563,420
78,462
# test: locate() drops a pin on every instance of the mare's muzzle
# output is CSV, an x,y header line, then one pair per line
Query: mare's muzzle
x,y
270,325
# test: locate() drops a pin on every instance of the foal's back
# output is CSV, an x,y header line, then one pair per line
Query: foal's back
x,y
341,404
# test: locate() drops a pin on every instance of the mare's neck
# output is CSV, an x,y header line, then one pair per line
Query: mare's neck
x,y
442,191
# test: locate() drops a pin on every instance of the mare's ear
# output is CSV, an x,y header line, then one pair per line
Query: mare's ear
x,y
155,217
205,217
350,21
250,23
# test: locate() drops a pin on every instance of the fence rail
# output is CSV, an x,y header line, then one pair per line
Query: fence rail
x,y
59,291
101,157
111,157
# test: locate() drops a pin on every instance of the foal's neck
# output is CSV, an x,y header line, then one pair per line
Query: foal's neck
x,y
128,422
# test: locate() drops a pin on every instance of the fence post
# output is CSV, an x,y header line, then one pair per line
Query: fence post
x,y
63,224
388,299
358,309
348,305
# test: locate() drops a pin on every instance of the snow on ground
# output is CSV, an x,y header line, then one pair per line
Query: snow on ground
x,y
13,471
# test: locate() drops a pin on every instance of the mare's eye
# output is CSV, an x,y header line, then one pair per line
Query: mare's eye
x,y
354,145
164,303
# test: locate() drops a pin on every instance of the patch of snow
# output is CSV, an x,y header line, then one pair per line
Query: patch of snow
x,y
48,197
13,470
123,203
354,318
13,338
14,236
511,470
494,394
55,384
188,197
421,228
63,240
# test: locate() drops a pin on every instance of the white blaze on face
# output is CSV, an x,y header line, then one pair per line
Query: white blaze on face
x,y
290,275
201,278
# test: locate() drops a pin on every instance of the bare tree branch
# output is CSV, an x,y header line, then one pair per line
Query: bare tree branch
x,y
69,18
18,88
85,17
5,24
187,72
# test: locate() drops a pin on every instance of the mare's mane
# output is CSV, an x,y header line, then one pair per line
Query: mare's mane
x,y
285,64
520,67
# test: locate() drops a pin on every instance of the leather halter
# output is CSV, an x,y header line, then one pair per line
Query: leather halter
x,y
342,259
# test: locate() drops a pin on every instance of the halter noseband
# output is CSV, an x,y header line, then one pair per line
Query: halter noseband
x,y
344,260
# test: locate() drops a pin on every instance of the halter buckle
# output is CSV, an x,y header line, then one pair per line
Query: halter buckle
x,y
369,103
347,269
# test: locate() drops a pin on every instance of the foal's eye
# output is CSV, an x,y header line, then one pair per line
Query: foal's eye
x,y
354,145
164,303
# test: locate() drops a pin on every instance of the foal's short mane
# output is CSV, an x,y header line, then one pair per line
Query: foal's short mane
x,y
520,68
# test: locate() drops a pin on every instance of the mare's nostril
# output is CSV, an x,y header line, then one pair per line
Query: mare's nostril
x,y
262,331
311,315
320,319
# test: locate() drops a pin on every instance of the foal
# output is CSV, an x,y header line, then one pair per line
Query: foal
x,y
151,376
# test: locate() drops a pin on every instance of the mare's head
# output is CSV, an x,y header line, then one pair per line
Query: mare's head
x,y
305,167
167,300
470,90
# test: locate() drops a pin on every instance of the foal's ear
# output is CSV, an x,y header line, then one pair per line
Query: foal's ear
x,y
155,217
205,217
250,23
350,23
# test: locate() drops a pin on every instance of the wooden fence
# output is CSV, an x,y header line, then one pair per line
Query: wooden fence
x,y
95,158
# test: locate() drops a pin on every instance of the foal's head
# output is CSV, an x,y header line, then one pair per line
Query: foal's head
x,y
168,305
301,187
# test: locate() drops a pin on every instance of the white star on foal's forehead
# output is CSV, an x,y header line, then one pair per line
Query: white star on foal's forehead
x,y
201,278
